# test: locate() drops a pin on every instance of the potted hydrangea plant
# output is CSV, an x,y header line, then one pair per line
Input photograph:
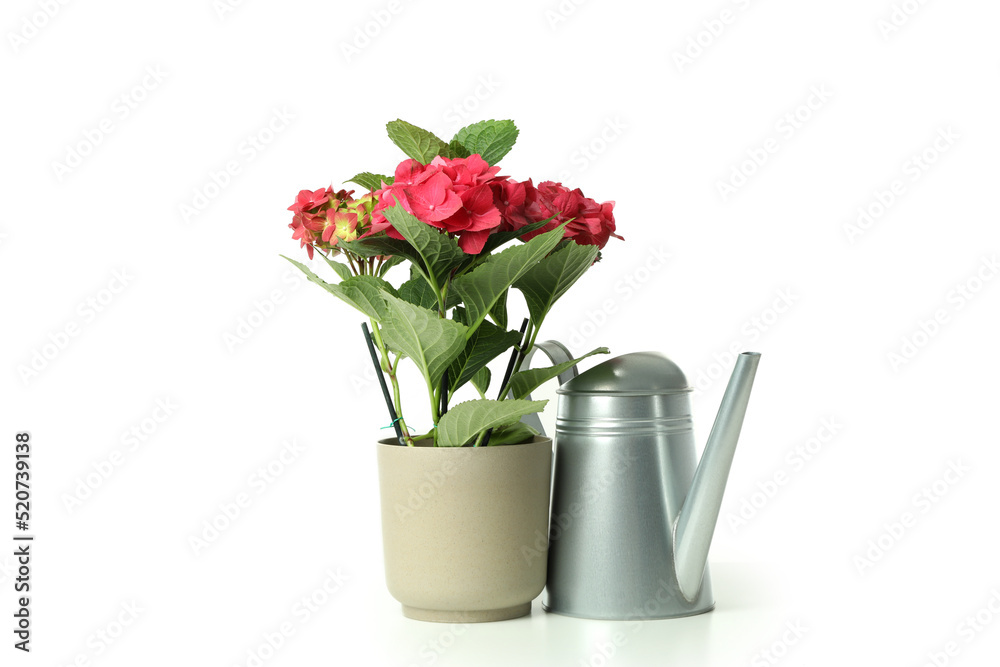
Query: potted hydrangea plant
x,y
465,503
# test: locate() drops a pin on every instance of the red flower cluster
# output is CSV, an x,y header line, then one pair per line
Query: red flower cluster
x,y
462,196
450,194
465,197
323,217
521,204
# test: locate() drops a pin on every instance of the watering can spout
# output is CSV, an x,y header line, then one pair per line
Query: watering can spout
x,y
696,522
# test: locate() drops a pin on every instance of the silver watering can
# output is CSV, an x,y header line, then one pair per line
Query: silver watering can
x,y
633,512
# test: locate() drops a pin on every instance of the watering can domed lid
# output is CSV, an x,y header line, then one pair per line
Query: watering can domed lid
x,y
634,373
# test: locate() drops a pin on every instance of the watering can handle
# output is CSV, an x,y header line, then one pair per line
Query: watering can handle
x,y
557,354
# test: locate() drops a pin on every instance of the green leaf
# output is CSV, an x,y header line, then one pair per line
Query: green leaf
x,y
366,293
342,269
498,313
515,434
455,149
419,293
438,252
525,382
548,280
417,143
370,181
466,420
485,344
431,341
492,139
482,287
481,380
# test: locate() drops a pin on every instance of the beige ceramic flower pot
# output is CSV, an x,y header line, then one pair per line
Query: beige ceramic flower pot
x,y
465,529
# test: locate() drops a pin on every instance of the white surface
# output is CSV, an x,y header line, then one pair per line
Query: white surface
x,y
669,136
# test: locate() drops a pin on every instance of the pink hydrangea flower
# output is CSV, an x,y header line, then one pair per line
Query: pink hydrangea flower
x,y
590,223
452,194
317,221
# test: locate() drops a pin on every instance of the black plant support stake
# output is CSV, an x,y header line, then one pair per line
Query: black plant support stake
x,y
517,351
381,381
443,406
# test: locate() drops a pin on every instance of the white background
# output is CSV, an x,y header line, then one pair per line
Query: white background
x,y
603,102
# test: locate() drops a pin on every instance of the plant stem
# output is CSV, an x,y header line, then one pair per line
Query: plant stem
x,y
443,298
397,401
440,397
350,263
390,368
435,401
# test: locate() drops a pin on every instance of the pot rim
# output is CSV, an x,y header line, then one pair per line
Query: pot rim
x,y
393,442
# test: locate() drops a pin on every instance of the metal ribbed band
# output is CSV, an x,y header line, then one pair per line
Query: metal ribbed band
x,y
623,426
